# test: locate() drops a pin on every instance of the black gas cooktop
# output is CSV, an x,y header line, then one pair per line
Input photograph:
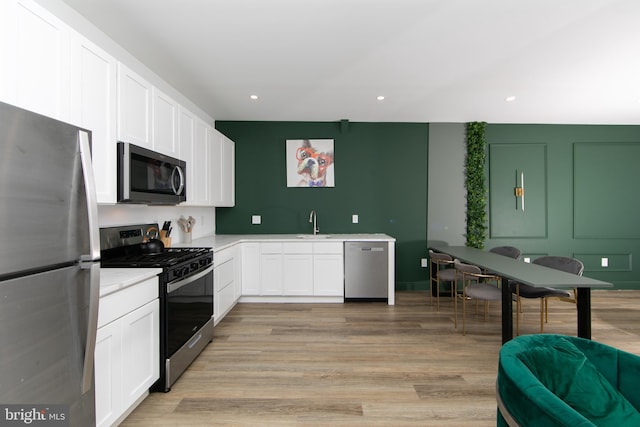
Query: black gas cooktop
x,y
167,258
124,247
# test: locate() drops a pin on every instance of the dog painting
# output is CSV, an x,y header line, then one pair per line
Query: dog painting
x,y
310,163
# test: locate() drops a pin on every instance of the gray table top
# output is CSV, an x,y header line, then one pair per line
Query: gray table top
x,y
529,274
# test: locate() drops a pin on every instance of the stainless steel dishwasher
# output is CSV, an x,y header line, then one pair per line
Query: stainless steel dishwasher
x,y
366,270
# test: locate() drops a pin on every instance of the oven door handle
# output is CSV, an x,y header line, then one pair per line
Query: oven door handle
x,y
173,286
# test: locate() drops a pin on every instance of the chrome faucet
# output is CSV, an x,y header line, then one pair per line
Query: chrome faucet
x,y
314,219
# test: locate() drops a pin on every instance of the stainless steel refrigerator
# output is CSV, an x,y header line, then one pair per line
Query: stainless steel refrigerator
x,y
49,271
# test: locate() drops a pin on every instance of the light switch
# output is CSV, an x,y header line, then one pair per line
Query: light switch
x,y
354,218
604,262
256,219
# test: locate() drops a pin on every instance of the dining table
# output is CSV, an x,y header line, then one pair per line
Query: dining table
x,y
514,271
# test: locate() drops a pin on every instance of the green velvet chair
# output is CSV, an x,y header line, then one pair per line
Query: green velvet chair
x,y
555,380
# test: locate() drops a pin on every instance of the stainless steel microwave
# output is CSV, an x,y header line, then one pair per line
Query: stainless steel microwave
x,y
148,177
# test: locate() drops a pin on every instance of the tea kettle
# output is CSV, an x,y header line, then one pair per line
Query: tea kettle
x,y
151,243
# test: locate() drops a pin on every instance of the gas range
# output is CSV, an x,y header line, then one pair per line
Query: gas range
x,y
185,293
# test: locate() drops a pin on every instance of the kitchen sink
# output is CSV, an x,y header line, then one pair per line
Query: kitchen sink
x,y
313,236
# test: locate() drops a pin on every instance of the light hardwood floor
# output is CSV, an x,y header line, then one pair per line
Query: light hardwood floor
x,y
362,364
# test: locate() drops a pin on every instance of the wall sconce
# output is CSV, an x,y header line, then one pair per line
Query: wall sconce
x,y
519,190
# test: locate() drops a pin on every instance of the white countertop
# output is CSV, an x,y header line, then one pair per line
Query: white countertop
x,y
115,279
222,241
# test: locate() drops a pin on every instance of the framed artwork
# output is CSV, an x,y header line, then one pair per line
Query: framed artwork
x,y
310,163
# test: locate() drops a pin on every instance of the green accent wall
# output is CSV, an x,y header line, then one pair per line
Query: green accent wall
x,y
581,194
381,172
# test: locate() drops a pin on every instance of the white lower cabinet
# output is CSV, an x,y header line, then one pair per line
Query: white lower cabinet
x,y
108,362
298,274
292,269
226,281
271,274
328,269
297,264
127,350
250,268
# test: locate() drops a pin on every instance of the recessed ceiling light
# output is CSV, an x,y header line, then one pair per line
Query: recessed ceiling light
x,y
380,98
254,97
510,98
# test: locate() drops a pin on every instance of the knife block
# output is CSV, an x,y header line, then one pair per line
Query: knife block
x,y
166,241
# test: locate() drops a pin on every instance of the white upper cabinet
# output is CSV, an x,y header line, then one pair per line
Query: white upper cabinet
x,y
134,108
186,136
199,165
165,124
93,106
223,170
49,68
35,59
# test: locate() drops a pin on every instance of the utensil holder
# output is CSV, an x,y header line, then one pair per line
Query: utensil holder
x,y
187,237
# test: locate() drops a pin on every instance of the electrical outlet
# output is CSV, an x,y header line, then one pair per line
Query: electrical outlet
x,y
423,262
354,218
527,259
604,262
256,219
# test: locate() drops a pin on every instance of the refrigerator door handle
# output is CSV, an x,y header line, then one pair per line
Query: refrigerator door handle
x,y
92,327
92,203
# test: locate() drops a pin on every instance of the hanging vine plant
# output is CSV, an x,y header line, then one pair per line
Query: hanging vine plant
x,y
475,185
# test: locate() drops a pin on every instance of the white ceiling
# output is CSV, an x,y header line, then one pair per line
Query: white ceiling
x,y
565,61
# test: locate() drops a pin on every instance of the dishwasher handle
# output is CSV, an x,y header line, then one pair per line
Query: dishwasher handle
x,y
372,249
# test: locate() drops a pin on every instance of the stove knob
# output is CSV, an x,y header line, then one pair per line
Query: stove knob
x,y
177,273
186,270
194,266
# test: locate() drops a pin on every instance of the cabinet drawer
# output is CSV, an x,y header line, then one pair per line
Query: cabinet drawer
x,y
224,275
327,247
119,303
297,247
220,257
225,300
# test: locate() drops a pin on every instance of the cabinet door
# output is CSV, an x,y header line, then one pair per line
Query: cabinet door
x,y
93,107
228,173
165,124
140,351
134,108
298,274
108,378
250,269
36,59
225,294
237,280
201,185
223,170
328,275
194,149
271,274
